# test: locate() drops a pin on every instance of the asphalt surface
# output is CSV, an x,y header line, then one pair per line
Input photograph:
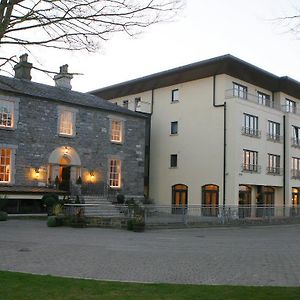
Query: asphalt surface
x,y
256,255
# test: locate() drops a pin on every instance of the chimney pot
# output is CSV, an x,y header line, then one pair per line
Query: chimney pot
x,y
23,68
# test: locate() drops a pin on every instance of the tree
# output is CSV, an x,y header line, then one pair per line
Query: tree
x,y
76,24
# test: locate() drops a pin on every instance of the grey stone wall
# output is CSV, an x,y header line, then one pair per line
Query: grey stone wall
x,y
36,136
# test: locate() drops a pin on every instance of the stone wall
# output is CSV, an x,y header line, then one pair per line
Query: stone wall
x,y
36,137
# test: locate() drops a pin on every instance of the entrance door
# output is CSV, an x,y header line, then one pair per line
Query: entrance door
x,y
295,210
65,179
210,200
179,198
244,201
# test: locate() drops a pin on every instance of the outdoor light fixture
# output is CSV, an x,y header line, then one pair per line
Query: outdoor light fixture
x,y
92,174
66,150
37,173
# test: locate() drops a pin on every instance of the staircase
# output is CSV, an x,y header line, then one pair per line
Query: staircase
x,y
99,206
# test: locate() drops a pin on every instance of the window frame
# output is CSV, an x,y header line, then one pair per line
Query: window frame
x,y
290,106
61,111
5,166
273,163
250,161
115,173
250,125
264,99
240,91
273,130
125,103
173,161
14,103
174,128
116,132
175,95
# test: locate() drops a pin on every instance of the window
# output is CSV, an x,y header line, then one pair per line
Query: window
x,y
137,103
6,114
66,125
5,165
290,106
273,164
296,136
116,131
174,127
125,103
295,167
263,99
173,161
179,198
273,131
115,173
250,161
240,91
175,95
210,200
250,125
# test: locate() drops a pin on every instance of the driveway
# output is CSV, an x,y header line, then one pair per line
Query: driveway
x,y
266,255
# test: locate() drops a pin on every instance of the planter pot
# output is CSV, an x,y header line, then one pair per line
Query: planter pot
x,y
3,216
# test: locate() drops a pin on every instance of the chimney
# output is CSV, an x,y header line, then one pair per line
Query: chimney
x,y
23,68
63,79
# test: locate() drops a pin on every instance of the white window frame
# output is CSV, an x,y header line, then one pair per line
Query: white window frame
x,y
12,148
61,111
114,132
115,173
13,103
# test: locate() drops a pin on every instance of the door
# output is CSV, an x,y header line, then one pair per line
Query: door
x,y
210,200
179,198
244,201
65,178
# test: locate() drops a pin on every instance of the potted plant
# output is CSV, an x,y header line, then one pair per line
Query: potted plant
x,y
138,223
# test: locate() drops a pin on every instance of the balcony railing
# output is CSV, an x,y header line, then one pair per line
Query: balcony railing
x,y
248,168
235,94
274,138
274,171
295,142
295,173
251,132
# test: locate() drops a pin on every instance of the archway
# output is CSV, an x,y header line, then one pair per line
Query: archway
x,y
64,167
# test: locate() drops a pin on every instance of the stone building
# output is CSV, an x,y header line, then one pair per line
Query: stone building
x,y
53,137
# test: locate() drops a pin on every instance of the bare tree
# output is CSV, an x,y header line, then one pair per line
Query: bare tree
x,y
76,24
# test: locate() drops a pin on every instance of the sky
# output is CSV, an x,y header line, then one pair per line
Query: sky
x,y
202,30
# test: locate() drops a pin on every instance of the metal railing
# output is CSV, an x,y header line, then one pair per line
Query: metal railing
x,y
274,138
251,132
249,168
295,173
274,171
295,142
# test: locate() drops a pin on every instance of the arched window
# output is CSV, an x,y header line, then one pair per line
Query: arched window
x,y
179,197
210,200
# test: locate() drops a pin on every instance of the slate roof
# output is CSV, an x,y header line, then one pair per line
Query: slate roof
x,y
225,64
29,88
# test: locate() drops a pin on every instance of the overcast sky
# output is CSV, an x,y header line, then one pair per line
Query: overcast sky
x,y
204,29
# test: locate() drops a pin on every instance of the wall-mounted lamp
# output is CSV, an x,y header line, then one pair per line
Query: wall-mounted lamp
x,y
37,172
92,174
66,150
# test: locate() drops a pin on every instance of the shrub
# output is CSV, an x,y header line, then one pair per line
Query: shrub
x,y
3,216
51,222
3,201
130,224
120,199
79,180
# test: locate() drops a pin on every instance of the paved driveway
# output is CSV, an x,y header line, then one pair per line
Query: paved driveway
x,y
268,255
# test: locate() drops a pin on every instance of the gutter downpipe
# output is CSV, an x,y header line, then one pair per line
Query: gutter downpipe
x,y
224,138
284,165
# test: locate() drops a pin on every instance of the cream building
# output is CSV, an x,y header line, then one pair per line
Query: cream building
x,y
222,132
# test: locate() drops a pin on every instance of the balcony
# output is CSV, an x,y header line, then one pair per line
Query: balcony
x,y
248,168
274,171
275,138
295,173
295,142
251,132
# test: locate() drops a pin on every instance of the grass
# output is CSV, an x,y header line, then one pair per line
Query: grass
x,y
20,286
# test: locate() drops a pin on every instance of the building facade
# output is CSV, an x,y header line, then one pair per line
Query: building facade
x,y
223,132
55,139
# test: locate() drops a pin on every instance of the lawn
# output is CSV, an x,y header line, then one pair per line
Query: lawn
x,y
19,286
